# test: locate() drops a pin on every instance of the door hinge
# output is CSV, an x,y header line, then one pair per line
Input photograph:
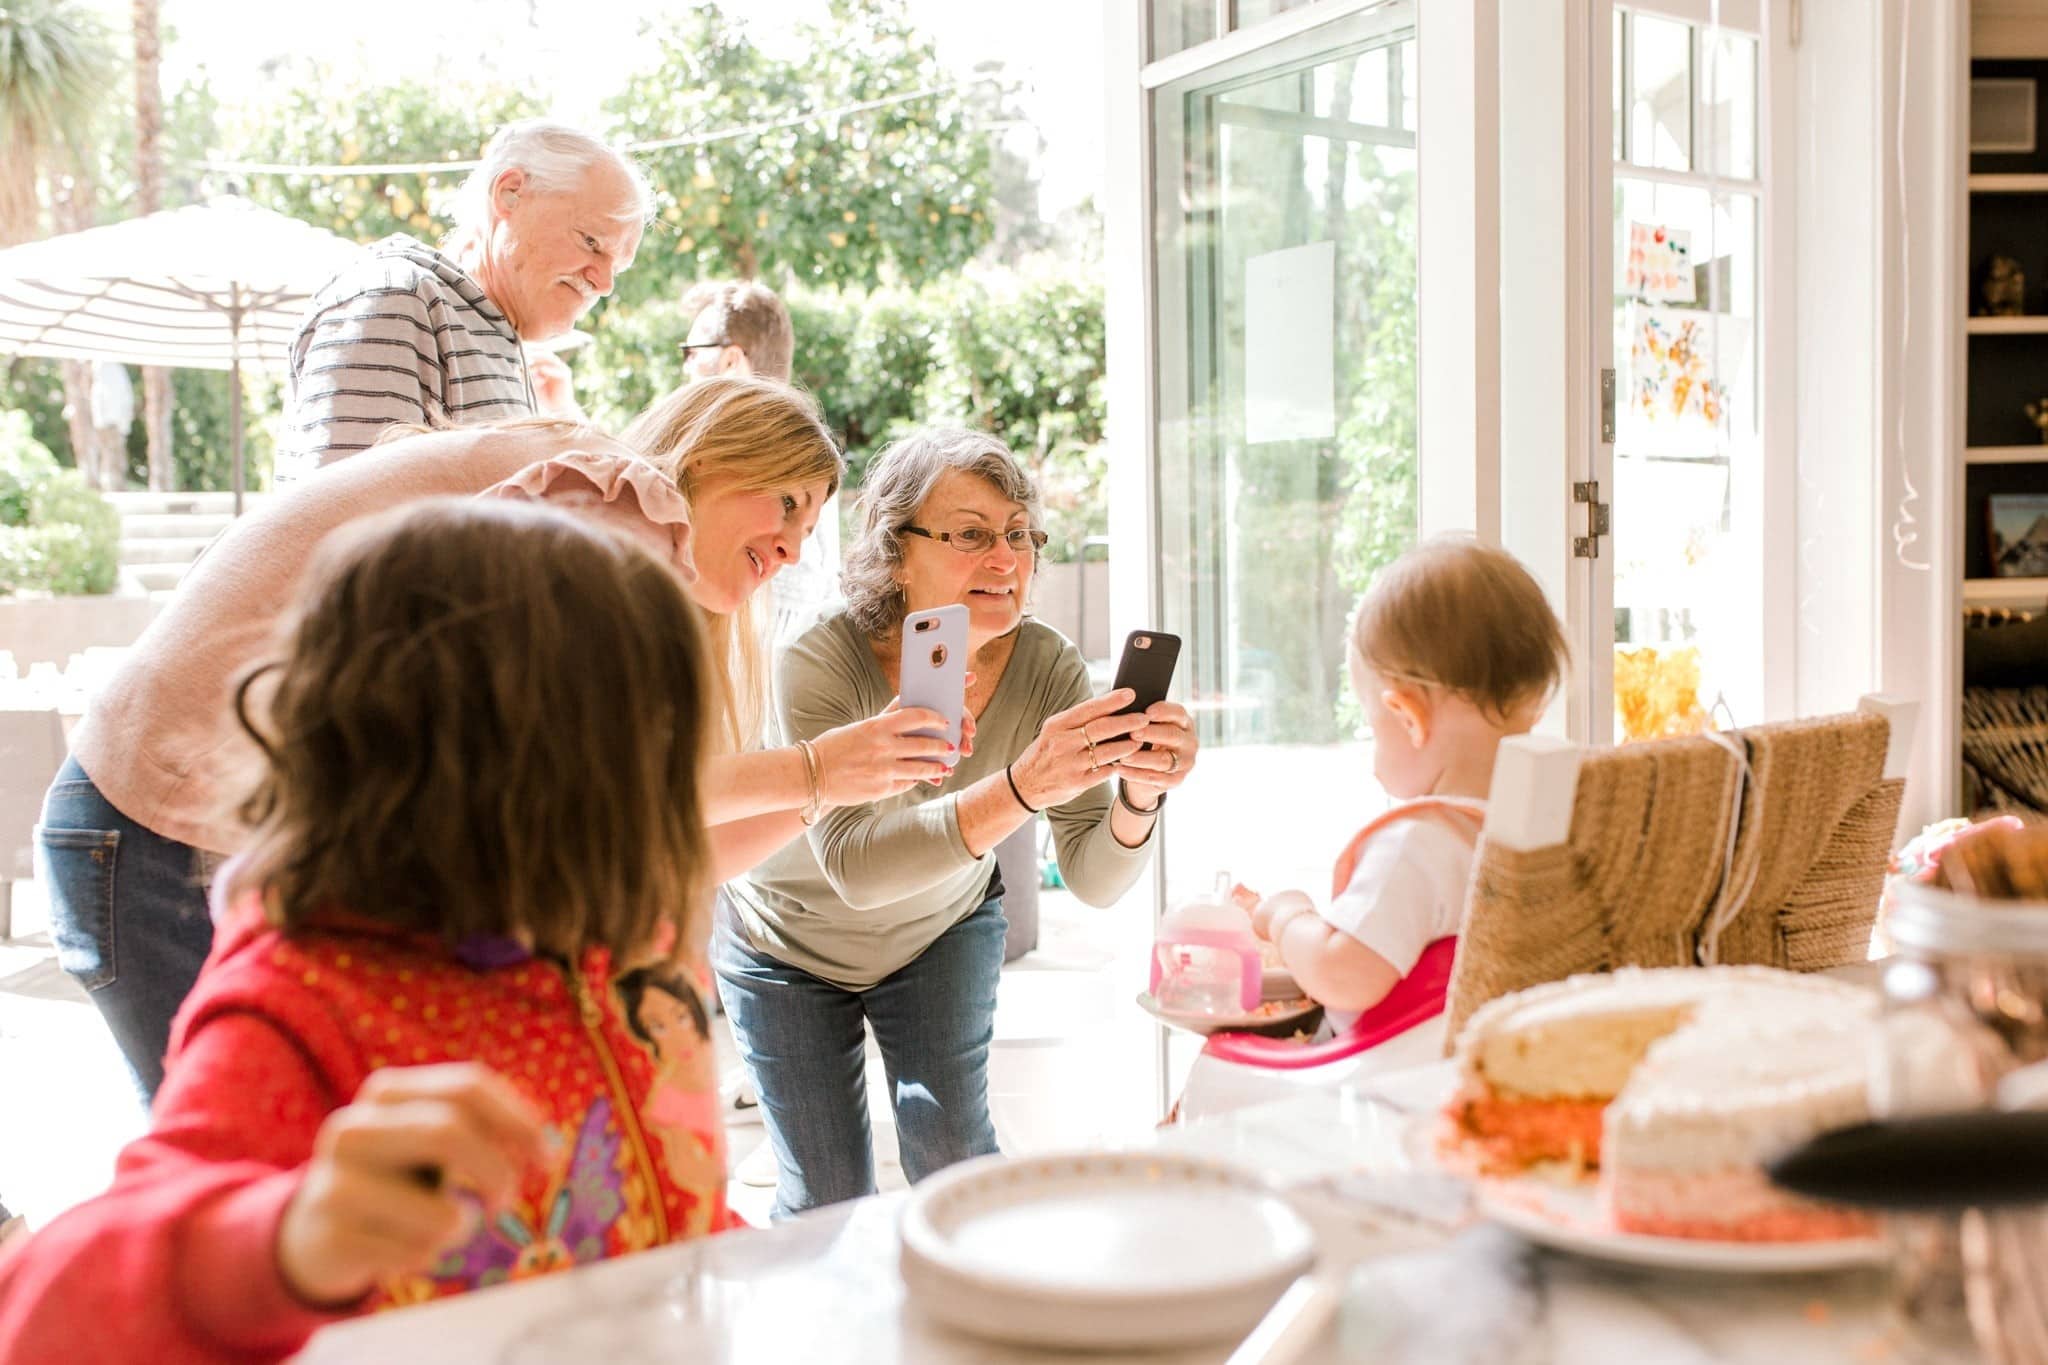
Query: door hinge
x,y
1598,519
1607,406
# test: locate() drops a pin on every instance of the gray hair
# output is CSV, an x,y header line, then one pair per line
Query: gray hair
x,y
896,486
555,158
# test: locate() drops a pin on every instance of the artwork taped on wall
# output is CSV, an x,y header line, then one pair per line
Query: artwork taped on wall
x,y
1659,265
1679,361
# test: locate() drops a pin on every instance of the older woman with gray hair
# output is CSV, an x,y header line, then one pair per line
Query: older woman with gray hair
x,y
890,914
543,226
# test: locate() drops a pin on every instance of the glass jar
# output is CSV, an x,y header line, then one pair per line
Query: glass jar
x,y
1965,1003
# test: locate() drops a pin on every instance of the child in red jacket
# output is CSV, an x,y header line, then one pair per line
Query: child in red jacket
x,y
407,1069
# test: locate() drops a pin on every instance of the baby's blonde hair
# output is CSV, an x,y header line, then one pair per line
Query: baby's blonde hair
x,y
1466,617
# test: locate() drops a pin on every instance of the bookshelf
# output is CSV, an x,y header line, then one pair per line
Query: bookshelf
x,y
2005,462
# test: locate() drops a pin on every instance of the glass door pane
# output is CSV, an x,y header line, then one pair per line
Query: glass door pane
x,y
1686,638
1286,446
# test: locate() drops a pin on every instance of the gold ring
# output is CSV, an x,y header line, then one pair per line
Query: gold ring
x,y
1172,761
1089,740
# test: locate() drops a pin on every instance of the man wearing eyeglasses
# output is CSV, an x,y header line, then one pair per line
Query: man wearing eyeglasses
x,y
741,328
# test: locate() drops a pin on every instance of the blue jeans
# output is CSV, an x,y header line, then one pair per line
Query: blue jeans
x,y
128,914
802,1042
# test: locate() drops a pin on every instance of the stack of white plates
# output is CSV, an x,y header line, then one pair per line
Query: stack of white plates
x,y
1101,1249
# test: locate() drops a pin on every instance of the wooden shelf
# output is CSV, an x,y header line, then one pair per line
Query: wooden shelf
x,y
2006,454
2009,184
2005,592
2032,324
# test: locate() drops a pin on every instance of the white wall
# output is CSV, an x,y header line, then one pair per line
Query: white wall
x,y
1878,201
1837,196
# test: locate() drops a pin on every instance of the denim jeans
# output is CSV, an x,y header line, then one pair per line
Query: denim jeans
x,y
802,1041
128,915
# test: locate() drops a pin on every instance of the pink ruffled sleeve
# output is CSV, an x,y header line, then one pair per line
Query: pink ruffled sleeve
x,y
626,494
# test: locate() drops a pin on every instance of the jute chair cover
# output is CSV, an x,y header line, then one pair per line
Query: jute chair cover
x,y
2005,747
1640,878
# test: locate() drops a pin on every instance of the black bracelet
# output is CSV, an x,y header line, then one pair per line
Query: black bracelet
x,y
1123,799
1012,779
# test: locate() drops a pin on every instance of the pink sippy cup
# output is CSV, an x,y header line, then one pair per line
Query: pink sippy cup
x,y
1205,960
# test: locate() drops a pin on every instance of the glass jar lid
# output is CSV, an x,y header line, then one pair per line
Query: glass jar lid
x,y
1931,919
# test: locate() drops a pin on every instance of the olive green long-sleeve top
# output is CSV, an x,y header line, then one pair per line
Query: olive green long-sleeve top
x,y
868,888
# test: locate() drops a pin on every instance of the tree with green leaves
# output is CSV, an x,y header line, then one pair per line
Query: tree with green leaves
x,y
897,191
54,64
54,69
321,119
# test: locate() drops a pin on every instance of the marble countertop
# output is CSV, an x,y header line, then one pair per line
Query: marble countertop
x,y
1417,1287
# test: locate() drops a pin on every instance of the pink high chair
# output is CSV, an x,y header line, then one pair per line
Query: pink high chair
x,y
1416,998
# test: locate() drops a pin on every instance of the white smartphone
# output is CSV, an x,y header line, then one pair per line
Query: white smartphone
x,y
933,673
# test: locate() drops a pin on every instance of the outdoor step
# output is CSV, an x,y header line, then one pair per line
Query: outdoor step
x,y
183,525
156,577
163,550
154,504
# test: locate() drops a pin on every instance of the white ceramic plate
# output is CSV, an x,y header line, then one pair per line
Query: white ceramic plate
x,y
1100,1249
1566,1218
1220,1023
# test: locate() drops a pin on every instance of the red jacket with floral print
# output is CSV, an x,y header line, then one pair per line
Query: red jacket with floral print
x,y
176,1261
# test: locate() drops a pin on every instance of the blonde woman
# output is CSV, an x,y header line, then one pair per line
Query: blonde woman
x,y
733,473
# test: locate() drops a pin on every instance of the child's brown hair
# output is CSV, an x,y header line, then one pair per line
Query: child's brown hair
x,y
1466,617
488,718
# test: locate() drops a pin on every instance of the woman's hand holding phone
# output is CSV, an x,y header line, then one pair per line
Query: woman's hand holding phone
x,y
1167,755
1076,749
885,755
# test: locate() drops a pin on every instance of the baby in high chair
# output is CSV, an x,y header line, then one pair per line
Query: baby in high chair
x,y
1453,649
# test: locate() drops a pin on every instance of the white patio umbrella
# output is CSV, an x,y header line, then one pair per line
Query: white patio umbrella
x,y
212,286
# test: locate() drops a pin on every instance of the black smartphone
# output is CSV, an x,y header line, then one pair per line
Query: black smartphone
x,y
1146,667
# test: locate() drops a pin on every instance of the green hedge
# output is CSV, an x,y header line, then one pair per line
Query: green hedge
x,y
56,534
1018,353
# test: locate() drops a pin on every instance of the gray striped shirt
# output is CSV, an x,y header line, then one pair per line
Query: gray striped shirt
x,y
404,335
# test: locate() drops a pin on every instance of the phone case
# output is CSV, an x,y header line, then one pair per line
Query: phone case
x,y
933,673
1146,667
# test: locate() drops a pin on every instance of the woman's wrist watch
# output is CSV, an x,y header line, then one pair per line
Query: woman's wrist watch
x,y
1123,798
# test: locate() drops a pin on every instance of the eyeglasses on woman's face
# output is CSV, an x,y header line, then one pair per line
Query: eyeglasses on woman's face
x,y
979,540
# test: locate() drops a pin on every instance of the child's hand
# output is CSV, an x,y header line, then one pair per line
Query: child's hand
x,y
1278,909
1244,898
379,1196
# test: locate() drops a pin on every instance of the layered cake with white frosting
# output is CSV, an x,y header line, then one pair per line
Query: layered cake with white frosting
x,y
1672,1087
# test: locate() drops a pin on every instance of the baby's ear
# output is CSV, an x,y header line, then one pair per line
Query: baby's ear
x,y
1411,707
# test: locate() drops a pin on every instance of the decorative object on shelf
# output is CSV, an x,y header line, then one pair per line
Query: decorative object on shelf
x,y
2037,413
2002,115
2019,532
2001,287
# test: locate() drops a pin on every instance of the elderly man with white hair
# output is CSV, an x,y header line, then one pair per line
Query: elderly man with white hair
x,y
544,224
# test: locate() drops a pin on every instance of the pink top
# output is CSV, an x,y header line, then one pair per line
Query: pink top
x,y
161,742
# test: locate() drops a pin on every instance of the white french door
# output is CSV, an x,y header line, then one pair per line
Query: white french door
x,y
1681,625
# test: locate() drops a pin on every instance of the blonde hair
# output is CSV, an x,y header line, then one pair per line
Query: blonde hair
x,y
486,718
1466,617
755,435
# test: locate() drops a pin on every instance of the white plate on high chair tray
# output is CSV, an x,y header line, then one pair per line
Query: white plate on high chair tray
x,y
1113,1250
1269,1014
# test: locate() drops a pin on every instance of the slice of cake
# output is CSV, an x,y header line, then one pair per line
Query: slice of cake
x,y
1674,1086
